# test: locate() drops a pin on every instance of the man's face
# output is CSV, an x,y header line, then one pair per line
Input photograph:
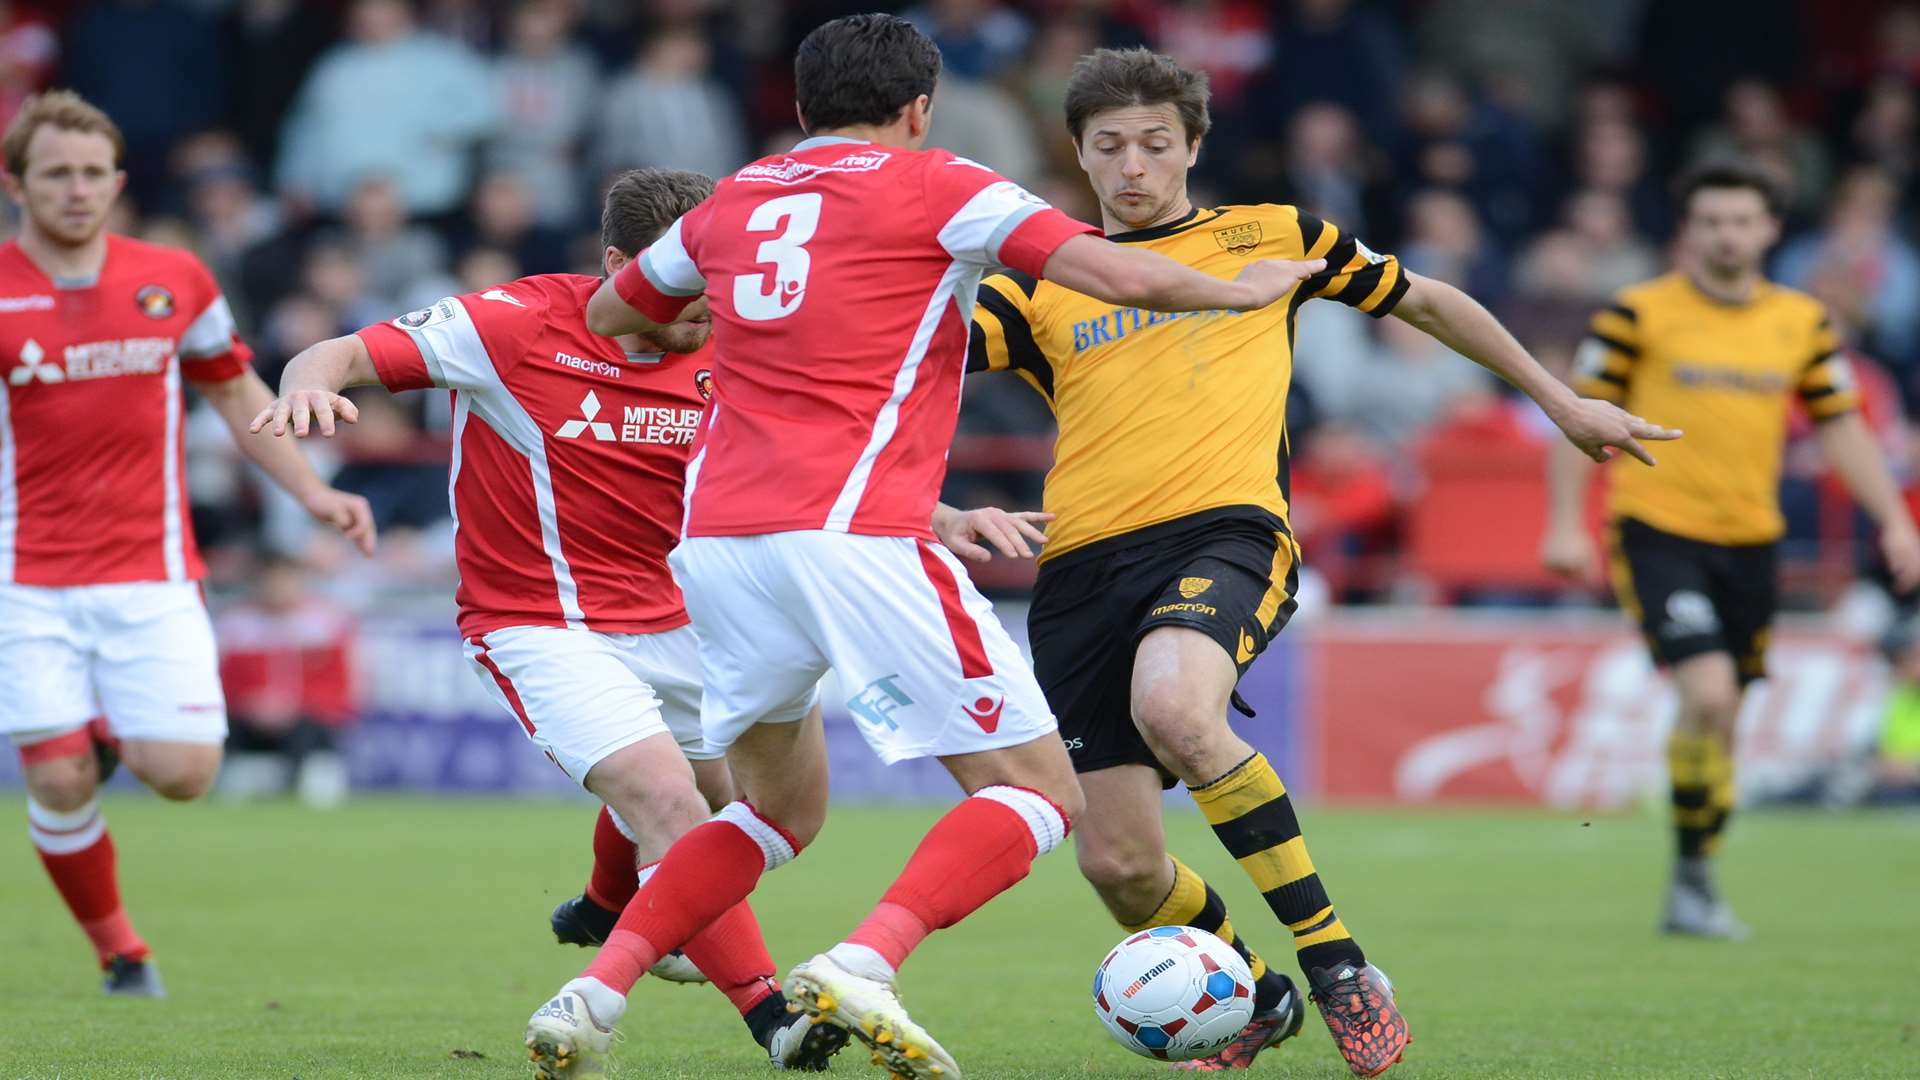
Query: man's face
x,y
1728,230
687,335
1137,157
70,183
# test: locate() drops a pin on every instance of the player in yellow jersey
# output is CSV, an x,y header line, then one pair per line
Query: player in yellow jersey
x,y
1719,350
1169,564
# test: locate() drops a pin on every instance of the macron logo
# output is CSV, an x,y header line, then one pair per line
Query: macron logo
x,y
34,365
589,409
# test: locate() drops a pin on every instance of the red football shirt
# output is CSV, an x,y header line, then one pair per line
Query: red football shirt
x,y
92,488
842,280
569,456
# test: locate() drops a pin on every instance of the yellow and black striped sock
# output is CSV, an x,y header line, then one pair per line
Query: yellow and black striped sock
x,y
1253,817
1192,902
1700,768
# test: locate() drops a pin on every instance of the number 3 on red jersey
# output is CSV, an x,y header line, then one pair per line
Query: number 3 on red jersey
x,y
794,218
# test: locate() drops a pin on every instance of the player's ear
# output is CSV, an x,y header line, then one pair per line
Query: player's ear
x,y
612,259
919,116
1193,153
801,117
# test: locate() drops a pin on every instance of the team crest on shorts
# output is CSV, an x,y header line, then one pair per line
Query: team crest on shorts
x,y
1240,239
155,301
1191,587
703,382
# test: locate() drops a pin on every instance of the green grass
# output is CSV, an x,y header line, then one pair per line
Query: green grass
x,y
375,941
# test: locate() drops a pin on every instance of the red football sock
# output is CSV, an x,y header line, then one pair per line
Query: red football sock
x,y
733,954
977,851
613,881
705,873
78,854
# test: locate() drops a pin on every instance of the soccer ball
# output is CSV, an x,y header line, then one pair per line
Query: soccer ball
x,y
1173,993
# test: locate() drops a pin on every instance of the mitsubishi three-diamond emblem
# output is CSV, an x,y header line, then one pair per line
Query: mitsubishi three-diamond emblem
x,y
589,409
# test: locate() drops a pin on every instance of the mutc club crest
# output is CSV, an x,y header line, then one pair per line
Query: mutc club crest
x,y
1240,239
1191,587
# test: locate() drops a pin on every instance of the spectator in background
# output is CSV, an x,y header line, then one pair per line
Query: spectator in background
x,y
667,111
155,68
981,121
390,101
270,46
503,216
1337,51
1342,505
1757,128
1230,40
1453,142
224,203
286,662
1886,135
1326,167
482,268
1444,240
1042,82
1526,54
333,277
398,262
1597,234
1406,382
978,39
1860,249
546,85
1610,155
28,51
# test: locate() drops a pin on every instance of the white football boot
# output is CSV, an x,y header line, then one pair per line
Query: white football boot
x,y
870,1011
565,1042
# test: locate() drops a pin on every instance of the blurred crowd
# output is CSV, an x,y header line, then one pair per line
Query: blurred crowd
x,y
341,163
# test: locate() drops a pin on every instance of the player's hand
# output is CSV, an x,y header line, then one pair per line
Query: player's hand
x,y
302,410
345,511
1594,426
1900,546
1008,532
1271,279
1569,552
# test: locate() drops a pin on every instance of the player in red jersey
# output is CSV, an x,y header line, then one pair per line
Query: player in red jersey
x,y
569,459
100,607
841,278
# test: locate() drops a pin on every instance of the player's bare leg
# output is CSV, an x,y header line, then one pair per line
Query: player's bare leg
x,y
70,833
1700,764
181,771
1122,851
1182,683
708,922
1021,801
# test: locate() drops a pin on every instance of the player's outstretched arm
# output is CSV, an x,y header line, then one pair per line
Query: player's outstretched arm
x,y
310,388
1460,323
1008,531
241,401
1135,277
1850,449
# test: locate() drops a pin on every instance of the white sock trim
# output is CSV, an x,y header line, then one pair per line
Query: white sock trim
x,y
605,1005
620,823
774,844
1044,820
63,832
862,960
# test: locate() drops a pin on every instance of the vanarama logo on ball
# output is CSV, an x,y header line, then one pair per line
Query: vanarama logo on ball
x,y
1146,977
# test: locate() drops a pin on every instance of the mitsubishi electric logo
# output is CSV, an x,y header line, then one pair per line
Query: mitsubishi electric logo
x,y
34,365
589,409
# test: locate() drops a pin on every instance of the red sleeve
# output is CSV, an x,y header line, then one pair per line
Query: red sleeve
x,y
644,297
210,348
1028,247
395,357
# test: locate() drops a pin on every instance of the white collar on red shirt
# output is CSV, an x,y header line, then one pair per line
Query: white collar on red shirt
x,y
827,140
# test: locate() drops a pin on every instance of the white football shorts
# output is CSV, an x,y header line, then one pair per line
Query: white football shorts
x,y
928,667
139,653
580,695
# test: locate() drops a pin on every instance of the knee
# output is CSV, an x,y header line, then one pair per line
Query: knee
x,y
1070,799
63,785
182,784
1182,729
1712,705
1114,868
177,772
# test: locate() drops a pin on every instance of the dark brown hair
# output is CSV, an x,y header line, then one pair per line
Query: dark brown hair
x,y
862,69
1722,176
641,203
1117,78
63,109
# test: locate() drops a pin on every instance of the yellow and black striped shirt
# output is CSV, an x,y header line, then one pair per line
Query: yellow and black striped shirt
x,y
1724,373
1163,416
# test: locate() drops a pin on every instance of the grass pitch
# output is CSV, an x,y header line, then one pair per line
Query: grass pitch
x,y
402,938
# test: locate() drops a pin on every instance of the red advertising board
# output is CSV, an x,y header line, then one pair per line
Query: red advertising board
x,y
1454,707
